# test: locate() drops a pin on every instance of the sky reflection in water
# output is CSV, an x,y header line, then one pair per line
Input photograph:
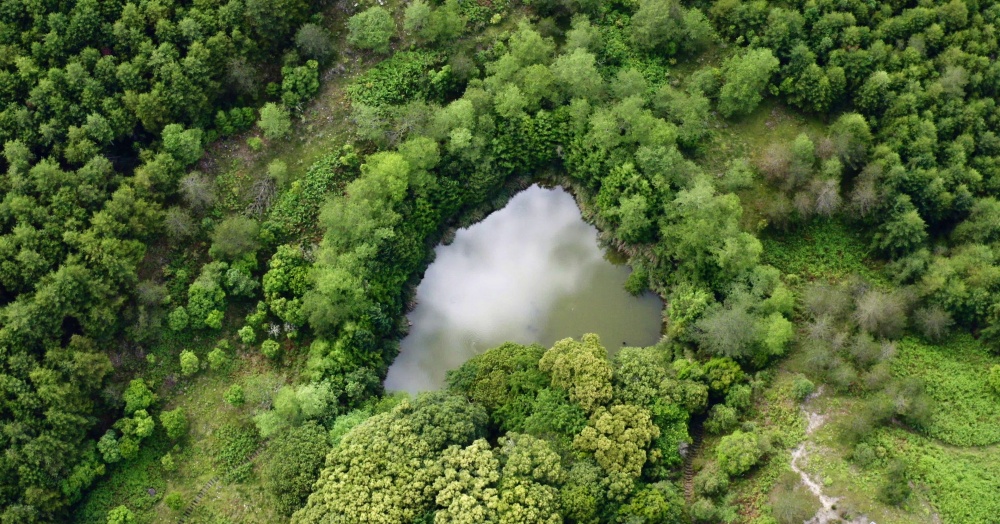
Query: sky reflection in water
x,y
530,272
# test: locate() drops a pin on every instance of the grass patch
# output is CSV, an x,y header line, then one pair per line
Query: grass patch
x,y
966,409
820,250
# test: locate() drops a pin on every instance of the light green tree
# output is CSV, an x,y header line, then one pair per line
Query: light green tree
x,y
371,29
745,77
582,369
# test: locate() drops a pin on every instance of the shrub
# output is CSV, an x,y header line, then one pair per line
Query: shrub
x,y
270,348
896,489
738,452
721,419
791,503
178,319
255,143
167,461
247,334
994,378
371,29
217,359
703,510
174,501
234,237
802,387
275,121
710,481
292,463
175,423
189,362
235,395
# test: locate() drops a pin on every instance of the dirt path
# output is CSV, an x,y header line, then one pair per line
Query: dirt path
x,y
826,513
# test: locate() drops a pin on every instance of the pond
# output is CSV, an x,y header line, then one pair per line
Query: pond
x,y
530,272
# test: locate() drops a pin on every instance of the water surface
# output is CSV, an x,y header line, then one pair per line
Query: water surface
x,y
530,272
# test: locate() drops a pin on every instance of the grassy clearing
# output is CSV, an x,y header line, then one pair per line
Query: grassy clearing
x,y
966,409
821,250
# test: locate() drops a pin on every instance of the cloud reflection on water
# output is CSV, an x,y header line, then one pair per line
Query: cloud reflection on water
x,y
505,278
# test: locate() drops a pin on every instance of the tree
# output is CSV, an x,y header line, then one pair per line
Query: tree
x,y
371,29
234,237
851,138
314,42
658,25
299,84
745,76
619,438
183,144
121,515
175,423
577,74
189,362
291,464
235,395
137,396
582,369
378,471
738,452
654,503
275,121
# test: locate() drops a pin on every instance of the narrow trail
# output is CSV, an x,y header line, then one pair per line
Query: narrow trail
x,y
697,431
826,514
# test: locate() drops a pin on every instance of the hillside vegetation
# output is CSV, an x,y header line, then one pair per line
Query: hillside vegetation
x,y
214,214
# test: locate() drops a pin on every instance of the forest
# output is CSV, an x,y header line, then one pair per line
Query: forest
x,y
215,214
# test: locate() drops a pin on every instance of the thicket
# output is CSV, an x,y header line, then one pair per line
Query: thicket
x,y
103,106
524,434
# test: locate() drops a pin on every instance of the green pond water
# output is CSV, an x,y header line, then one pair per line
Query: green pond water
x,y
530,272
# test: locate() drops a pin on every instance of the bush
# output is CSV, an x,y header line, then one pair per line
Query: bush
x,y
738,452
247,334
234,237
710,481
896,489
703,510
791,503
178,319
721,419
175,423
371,29
292,464
270,348
217,359
174,501
275,121
167,461
994,378
863,455
235,395
189,363
802,387
121,515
